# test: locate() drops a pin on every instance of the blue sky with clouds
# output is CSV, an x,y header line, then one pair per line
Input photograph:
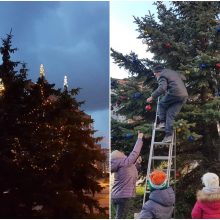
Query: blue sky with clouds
x,y
69,38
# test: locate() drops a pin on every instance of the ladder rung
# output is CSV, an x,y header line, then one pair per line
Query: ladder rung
x,y
147,191
159,129
165,170
161,157
162,143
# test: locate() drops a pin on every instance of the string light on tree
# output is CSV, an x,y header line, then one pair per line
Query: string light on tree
x,y
2,87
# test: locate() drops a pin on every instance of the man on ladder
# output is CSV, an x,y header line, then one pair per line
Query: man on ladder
x,y
171,83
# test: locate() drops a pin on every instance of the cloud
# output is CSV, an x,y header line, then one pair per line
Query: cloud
x,y
69,38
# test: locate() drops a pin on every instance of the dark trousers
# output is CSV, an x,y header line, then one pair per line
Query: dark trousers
x,y
169,107
121,207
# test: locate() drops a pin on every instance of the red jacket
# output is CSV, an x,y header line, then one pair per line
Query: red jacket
x,y
207,208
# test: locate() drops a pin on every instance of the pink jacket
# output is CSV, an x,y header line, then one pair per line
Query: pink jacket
x,y
207,206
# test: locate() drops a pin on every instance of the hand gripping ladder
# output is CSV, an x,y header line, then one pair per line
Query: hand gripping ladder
x,y
170,158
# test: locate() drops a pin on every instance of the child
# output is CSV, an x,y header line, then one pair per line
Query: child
x,y
171,84
208,199
125,177
161,198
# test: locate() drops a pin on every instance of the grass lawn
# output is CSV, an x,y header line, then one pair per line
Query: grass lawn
x,y
134,205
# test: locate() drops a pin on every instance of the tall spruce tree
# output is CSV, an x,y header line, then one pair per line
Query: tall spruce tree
x,y
184,37
48,151
11,106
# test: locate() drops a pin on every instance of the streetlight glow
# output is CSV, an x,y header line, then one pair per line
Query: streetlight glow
x,y
2,87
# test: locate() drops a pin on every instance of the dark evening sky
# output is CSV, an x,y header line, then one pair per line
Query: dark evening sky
x,y
69,38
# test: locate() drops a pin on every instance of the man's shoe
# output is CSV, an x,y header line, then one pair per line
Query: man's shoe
x,y
161,125
167,139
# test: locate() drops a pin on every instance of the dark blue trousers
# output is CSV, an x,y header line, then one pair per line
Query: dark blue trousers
x,y
169,107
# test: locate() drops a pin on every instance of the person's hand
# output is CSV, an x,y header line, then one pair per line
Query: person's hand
x,y
140,135
139,160
150,99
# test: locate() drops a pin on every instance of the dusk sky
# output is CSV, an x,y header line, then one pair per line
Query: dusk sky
x,y
122,27
69,38
123,34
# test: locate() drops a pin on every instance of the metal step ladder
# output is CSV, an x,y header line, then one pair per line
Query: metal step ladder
x,y
170,158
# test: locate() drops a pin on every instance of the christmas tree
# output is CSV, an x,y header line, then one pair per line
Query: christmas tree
x,y
185,37
48,149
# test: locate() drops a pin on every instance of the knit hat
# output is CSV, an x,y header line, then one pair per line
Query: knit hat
x,y
158,69
157,180
210,180
116,154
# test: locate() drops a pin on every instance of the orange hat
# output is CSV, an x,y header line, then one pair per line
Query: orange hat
x,y
158,177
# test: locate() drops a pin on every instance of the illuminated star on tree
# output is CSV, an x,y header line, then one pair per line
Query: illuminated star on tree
x,y
65,83
42,73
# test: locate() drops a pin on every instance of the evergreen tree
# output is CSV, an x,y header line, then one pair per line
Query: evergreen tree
x,y
184,37
48,151
11,106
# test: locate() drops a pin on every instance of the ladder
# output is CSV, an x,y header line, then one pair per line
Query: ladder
x,y
170,158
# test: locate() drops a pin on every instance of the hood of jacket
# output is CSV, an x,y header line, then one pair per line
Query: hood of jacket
x,y
210,197
165,197
115,164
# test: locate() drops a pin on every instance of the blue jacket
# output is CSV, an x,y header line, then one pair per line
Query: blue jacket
x,y
159,205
